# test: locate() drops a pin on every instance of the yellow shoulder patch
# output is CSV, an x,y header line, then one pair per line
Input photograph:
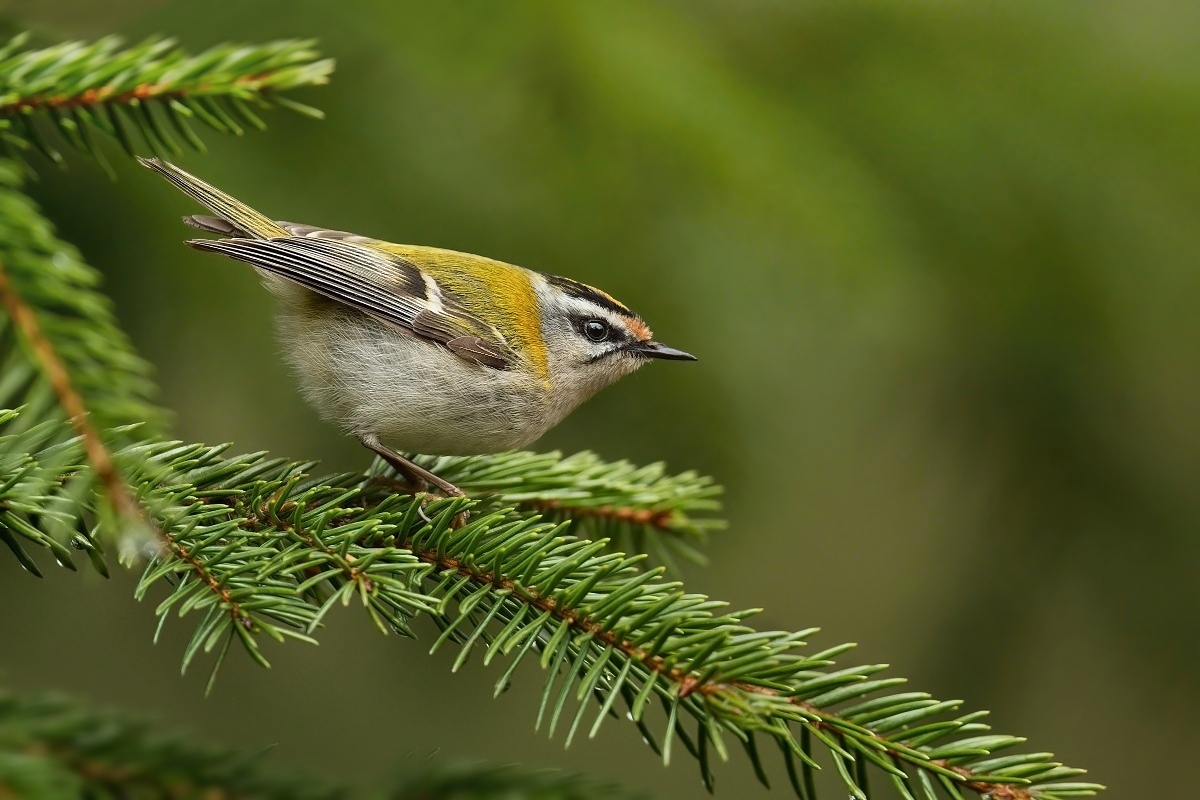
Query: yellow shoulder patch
x,y
498,294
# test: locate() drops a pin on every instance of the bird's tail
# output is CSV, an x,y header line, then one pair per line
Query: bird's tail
x,y
234,218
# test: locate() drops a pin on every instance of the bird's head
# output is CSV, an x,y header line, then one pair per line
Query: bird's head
x,y
591,339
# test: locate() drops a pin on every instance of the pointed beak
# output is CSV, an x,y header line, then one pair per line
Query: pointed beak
x,y
652,349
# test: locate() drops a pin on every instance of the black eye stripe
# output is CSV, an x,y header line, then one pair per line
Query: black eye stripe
x,y
598,330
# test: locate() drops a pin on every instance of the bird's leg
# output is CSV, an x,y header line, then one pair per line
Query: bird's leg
x,y
416,475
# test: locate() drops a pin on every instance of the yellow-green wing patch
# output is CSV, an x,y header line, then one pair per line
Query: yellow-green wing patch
x,y
499,295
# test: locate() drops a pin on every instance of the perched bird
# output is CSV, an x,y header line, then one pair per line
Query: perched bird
x,y
427,350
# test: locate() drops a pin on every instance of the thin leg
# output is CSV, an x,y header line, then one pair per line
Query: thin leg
x,y
416,475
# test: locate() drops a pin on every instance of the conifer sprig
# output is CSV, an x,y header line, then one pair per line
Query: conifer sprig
x,y
259,548
60,336
638,509
63,357
48,280
52,747
146,96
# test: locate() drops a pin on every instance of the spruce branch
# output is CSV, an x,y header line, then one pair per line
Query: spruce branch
x,y
65,324
481,781
637,509
153,90
53,746
72,404
260,548
35,506
59,338
62,325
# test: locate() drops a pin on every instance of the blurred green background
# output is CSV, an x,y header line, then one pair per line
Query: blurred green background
x,y
938,259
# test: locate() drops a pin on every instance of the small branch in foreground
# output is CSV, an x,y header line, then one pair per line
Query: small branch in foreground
x,y
288,547
659,520
108,94
71,402
154,90
689,684
53,746
239,616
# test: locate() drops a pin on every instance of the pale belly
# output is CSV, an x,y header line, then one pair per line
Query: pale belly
x,y
416,396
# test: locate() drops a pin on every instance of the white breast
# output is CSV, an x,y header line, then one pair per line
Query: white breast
x,y
415,395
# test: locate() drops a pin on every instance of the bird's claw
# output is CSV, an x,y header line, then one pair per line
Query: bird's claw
x,y
456,522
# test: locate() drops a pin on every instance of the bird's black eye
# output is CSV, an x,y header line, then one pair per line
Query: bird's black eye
x,y
596,329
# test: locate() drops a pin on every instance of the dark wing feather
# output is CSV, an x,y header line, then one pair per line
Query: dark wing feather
x,y
387,287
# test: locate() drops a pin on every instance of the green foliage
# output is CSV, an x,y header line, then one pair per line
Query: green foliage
x,y
63,293
92,367
255,547
476,781
53,747
252,547
639,509
41,501
154,91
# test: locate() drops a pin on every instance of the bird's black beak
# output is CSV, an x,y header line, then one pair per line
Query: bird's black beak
x,y
652,349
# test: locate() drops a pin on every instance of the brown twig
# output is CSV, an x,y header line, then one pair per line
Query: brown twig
x,y
119,775
344,563
107,94
659,519
70,400
240,617
689,683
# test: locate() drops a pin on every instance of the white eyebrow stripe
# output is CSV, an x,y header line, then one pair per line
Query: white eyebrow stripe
x,y
587,308
433,294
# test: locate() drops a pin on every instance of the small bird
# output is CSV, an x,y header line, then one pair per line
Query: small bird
x,y
429,350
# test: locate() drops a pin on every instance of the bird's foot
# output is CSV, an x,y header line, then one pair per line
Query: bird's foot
x,y
417,480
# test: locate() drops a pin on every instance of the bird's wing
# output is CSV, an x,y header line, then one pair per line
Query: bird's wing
x,y
343,267
387,287
234,216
